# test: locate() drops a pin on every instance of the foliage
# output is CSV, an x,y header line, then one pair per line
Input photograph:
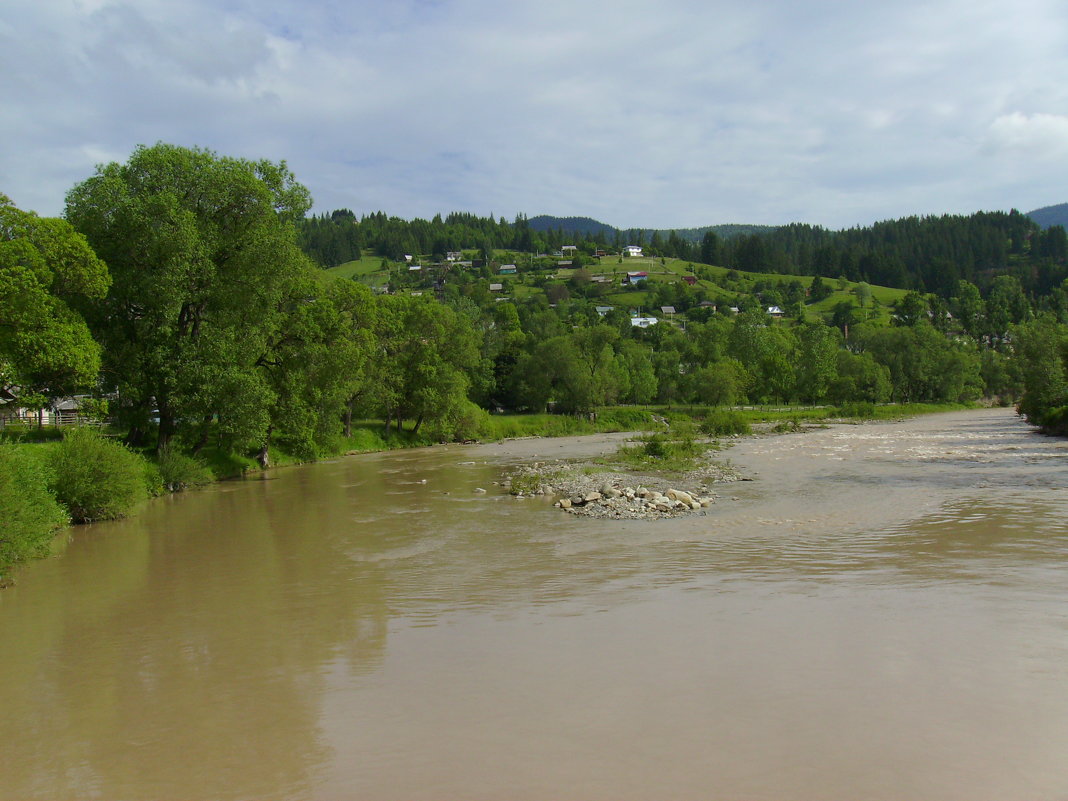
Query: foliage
x,y
1041,348
179,471
46,349
29,511
857,409
725,423
96,478
672,451
202,250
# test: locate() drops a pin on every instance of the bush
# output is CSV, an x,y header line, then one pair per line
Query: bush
x,y
858,409
791,426
468,422
724,424
676,451
179,472
95,478
29,512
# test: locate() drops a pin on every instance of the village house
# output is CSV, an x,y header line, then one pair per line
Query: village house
x,y
635,277
643,322
507,269
632,250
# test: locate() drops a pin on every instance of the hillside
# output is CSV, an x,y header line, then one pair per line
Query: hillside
x,y
683,285
927,254
1048,216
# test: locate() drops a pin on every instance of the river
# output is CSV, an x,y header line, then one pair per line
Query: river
x,y
882,613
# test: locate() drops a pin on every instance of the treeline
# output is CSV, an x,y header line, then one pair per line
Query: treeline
x,y
177,290
927,254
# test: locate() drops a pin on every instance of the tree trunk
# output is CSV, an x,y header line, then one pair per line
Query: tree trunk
x,y
418,422
166,427
264,456
135,438
348,419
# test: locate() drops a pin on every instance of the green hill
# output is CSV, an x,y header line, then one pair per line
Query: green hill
x,y
1048,216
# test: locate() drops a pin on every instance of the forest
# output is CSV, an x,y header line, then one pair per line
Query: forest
x,y
187,295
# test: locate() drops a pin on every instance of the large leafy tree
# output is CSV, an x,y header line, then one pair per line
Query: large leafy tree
x,y
46,349
421,369
314,362
202,250
1041,349
817,363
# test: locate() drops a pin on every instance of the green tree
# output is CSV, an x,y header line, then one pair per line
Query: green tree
x,y
818,290
710,248
422,366
863,293
1006,305
314,362
817,361
1041,350
859,378
910,310
968,306
640,385
46,349
721,383
202,249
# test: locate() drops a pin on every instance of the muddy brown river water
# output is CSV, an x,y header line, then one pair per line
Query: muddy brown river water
x,y
881,614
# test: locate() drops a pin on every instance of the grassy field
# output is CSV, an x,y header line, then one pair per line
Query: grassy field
x,y
365,267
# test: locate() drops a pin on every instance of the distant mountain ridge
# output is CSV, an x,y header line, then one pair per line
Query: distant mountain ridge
x,y
589,226
1048,216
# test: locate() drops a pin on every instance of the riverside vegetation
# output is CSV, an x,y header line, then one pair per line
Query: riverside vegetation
x,y
181,294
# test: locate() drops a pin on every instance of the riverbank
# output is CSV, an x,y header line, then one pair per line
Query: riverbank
x,y
614,424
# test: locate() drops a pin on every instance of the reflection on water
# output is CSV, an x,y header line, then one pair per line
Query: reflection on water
x,y
881,614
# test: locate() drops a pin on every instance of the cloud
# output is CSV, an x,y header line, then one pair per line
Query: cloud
x,y
1038,136
668,113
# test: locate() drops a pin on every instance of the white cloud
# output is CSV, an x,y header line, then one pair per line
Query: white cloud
x,y
1038,136
669,113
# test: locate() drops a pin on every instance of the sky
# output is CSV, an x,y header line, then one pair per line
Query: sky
x,y
658,114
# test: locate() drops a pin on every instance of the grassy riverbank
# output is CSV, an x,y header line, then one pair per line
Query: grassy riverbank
x,y
48,480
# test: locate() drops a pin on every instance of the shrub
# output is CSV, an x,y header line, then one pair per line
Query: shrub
x,y
858,409
724,424
675,451
95,478
468,422
29,512
179,472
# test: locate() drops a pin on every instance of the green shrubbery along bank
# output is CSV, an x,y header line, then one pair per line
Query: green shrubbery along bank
x,y
180,290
